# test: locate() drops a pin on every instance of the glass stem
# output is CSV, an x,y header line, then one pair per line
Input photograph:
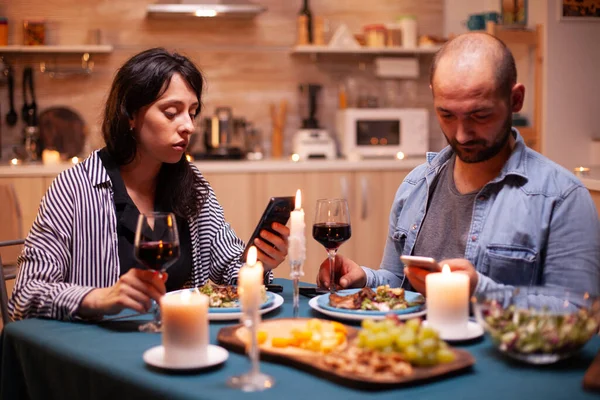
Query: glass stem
x,y
253,354
296,296
156,313
331,255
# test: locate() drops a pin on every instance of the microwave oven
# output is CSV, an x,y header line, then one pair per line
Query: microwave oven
x,y
383,132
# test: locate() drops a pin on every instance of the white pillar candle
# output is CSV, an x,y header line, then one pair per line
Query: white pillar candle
x,y
297,248
250,282
448,302
185,327
50,157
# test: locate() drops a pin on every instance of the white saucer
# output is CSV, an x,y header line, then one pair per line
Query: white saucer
x,y
155,357
474,330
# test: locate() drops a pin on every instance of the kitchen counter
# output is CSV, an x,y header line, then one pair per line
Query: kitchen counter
x,y
39,170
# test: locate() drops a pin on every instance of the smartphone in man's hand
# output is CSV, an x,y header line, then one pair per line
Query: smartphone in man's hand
x,y
426,263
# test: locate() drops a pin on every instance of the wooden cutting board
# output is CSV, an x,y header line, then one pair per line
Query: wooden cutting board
x,y
591,379
312,362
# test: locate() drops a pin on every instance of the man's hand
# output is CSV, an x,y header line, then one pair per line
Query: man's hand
x,y
134,290
348,274
416,276
272,256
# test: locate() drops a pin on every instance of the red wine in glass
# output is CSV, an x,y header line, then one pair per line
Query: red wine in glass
x,y
156,247
331,228
157,255
331,235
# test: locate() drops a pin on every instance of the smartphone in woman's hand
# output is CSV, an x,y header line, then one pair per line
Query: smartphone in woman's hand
x,y
426,263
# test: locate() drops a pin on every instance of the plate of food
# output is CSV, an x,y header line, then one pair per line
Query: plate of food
x,y
224,301
383,354
368,303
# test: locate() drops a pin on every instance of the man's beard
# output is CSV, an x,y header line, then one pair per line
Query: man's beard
x,y
487,152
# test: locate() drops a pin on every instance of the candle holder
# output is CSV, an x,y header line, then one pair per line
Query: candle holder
x,y
297,250
254,380
249,283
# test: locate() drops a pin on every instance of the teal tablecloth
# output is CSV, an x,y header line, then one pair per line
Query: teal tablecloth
x,y
43,359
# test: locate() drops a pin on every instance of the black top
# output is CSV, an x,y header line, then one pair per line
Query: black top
x,y
127,216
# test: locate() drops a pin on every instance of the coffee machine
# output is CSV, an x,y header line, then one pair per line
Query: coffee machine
x,y
224,136
312,141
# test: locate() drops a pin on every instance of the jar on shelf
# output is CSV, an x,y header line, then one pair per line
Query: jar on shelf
x,y
34,32
394,35
409,31
375,35
3,31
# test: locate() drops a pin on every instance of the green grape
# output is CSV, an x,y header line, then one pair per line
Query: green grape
x,y
429,346
445,356
367,324
412,353
413,324
362,338
371,342
427,333
407,338
384,340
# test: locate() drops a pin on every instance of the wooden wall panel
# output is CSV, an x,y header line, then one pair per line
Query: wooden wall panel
x,y
247,63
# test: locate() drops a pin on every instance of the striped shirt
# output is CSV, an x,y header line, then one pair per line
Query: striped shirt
x,y
72,248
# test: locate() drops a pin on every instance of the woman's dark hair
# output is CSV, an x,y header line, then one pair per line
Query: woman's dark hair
x,y
138,83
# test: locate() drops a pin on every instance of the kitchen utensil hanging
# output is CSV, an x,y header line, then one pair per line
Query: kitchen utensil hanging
x,y
29,111
11,116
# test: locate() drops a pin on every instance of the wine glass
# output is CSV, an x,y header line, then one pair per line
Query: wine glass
x,y
332,228
156,247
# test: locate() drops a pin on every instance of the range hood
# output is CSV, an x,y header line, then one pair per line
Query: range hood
x,y
203,8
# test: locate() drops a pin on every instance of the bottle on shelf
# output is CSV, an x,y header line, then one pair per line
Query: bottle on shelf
x,y
305,22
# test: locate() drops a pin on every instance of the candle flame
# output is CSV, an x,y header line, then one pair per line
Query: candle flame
x,y
446,269
298,199
252,256
74,160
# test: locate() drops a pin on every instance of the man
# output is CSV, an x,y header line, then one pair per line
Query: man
x,y
486,205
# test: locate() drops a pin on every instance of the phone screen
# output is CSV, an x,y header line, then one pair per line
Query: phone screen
x,y
278,210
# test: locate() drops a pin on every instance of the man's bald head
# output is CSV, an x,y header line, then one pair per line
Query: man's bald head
x,y
476,50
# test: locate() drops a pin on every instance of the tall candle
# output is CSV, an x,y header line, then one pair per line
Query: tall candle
x,y
250,282
185,327
448,302
296,240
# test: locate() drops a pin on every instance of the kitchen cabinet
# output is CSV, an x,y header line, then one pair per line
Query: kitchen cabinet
x,y
244,196
29,193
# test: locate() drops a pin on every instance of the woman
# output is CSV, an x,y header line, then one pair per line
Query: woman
x,y
78,258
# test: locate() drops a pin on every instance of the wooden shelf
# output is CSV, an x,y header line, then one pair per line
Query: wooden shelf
x,y
517,36
59,49
311,49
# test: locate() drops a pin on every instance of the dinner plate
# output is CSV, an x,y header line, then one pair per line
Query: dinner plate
x,y
323,302
353,316
216,355
226,316
229,313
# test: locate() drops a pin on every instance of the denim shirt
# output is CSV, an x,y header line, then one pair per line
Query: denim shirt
x,y
534,224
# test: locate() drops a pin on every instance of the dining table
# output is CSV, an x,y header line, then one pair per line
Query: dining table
x,y
48,359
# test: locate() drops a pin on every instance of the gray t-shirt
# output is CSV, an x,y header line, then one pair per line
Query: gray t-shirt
x,y
444,231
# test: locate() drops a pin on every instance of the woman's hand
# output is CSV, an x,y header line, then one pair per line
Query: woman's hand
x,y
272,256
348,273
135,289
416,276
